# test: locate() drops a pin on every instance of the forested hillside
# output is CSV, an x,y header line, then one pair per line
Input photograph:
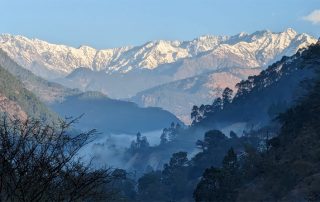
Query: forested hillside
x,y
287,170
18,101
260,98
45,90
100,112
278,161
160,101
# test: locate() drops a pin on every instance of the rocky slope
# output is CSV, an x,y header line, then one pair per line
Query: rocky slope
x,y
11,109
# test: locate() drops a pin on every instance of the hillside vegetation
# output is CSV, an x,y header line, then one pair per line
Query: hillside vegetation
x,y
12,89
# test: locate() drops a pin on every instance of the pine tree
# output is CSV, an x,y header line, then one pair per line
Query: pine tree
x,y
195,115
217,104
227,96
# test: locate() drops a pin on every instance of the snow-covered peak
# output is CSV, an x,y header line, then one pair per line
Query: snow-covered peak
x,y
242,34
290,32
257,49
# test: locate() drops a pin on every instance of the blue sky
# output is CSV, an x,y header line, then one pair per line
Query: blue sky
x,y
113,23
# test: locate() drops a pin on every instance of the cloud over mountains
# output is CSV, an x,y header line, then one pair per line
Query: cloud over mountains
x,y
313,17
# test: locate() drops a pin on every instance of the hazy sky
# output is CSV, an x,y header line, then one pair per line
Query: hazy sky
x,y
112,23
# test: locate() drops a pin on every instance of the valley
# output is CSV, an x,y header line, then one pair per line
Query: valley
x,y
159,101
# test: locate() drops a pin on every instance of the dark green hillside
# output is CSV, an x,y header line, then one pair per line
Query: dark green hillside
x,y
14,90
288,169
293,162
102,113
260,98
266,164
45,90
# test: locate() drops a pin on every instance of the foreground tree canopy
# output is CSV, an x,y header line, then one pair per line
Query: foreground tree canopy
x,y
38,163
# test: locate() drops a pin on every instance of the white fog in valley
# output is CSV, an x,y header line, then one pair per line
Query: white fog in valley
x,y
108,150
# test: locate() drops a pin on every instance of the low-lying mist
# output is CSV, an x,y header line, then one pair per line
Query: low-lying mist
x,y
109,150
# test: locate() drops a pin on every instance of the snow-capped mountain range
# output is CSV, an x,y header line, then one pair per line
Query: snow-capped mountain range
x,y
124,72
256,49
62,60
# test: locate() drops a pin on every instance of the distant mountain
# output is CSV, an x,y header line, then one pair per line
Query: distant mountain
x,y
100,112
179,96
185,59
113,116
157,66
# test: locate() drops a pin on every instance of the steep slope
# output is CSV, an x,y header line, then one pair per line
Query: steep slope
x,y
276,88
179,96
96,106
18,102
285,168
261,97
104,114
288,171
113,116
46,91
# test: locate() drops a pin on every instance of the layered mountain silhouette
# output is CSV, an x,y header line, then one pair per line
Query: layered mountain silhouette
x,y
99,112
137,71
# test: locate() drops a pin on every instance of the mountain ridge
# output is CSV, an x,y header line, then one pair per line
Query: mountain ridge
x,y
112,116
37,55
17,102
130,71
45,90
261,97
179,96
72,103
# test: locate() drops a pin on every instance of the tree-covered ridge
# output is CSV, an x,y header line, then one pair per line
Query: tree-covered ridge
x,y
266,164
14,90
45,90
178,178
259,98
256,106
288,169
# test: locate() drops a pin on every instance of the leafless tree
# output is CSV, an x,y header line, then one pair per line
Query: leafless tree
x,y
38,162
